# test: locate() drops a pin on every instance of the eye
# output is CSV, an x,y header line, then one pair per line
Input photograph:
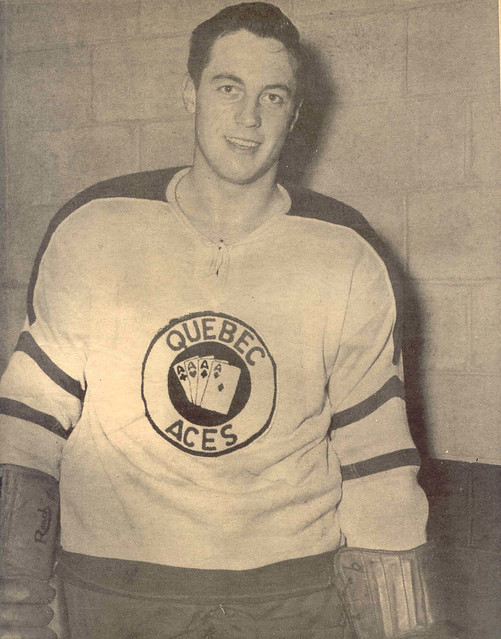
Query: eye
x,y
273,98
229,90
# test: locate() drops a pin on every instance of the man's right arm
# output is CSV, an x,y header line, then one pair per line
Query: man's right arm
x,y
41,398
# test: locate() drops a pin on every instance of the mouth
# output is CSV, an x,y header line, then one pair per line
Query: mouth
x,y
243,143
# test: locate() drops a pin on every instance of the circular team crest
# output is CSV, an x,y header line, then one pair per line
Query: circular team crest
x,y
209,384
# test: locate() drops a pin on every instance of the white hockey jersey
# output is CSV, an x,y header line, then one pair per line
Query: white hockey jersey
x,y
209,405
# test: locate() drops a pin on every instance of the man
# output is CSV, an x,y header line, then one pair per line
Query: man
x,y
209,375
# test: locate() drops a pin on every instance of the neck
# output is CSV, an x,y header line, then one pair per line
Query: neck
x,y
224,210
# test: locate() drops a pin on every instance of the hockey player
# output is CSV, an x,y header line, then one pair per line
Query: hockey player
x,y
210,378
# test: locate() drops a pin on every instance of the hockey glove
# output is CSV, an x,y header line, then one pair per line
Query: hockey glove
x,y
387,593
29,516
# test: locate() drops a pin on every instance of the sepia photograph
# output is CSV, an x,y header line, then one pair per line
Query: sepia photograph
x,y
250,319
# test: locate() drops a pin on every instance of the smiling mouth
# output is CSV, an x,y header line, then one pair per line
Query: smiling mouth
x,y
242,143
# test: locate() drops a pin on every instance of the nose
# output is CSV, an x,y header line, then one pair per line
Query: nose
x,y
248,113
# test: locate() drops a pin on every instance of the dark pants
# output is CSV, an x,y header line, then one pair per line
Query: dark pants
x,y
116,599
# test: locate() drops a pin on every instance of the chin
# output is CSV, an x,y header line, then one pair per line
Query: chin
x,y
244,175
237,168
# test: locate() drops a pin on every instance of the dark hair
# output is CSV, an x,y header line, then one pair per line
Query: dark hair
x,y
260,18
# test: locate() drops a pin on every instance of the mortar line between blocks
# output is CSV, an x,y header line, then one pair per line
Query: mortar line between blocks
x,y
140,144
406,234
92,86
469,327
406,54
368,10
137,132
468,143
139,13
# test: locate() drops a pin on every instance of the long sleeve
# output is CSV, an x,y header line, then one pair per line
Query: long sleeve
x,y
42,390
382,505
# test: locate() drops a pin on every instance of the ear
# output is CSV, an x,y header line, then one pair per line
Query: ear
x,y
295,116
189,94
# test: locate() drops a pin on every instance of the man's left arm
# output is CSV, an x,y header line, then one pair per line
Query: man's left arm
x,y
384,569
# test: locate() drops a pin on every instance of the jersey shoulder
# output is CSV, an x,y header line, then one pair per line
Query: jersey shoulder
x,y
146,185
309,204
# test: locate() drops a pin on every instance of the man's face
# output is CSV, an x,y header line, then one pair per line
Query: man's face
x,y
244,106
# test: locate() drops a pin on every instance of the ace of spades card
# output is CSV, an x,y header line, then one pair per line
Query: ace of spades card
x,y
221,387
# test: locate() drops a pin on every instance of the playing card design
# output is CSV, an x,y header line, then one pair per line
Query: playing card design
x,y
221,387
182,376
192,371
209,384
204,371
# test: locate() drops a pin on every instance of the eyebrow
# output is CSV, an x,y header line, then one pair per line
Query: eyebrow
x,y
227,76
234,78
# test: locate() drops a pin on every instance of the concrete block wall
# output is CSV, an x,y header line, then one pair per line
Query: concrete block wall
x,y
92,89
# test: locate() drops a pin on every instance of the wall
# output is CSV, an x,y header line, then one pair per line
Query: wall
x,y
92,90
403,124
465,527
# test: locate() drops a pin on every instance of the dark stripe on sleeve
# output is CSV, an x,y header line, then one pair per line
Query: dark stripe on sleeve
x,y
27,345
394,387
13,408
406,457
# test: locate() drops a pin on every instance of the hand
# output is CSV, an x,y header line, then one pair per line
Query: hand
x,y
24,610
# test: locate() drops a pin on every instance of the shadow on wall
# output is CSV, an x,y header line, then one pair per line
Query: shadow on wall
x,y
452,562
299,158
304,146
